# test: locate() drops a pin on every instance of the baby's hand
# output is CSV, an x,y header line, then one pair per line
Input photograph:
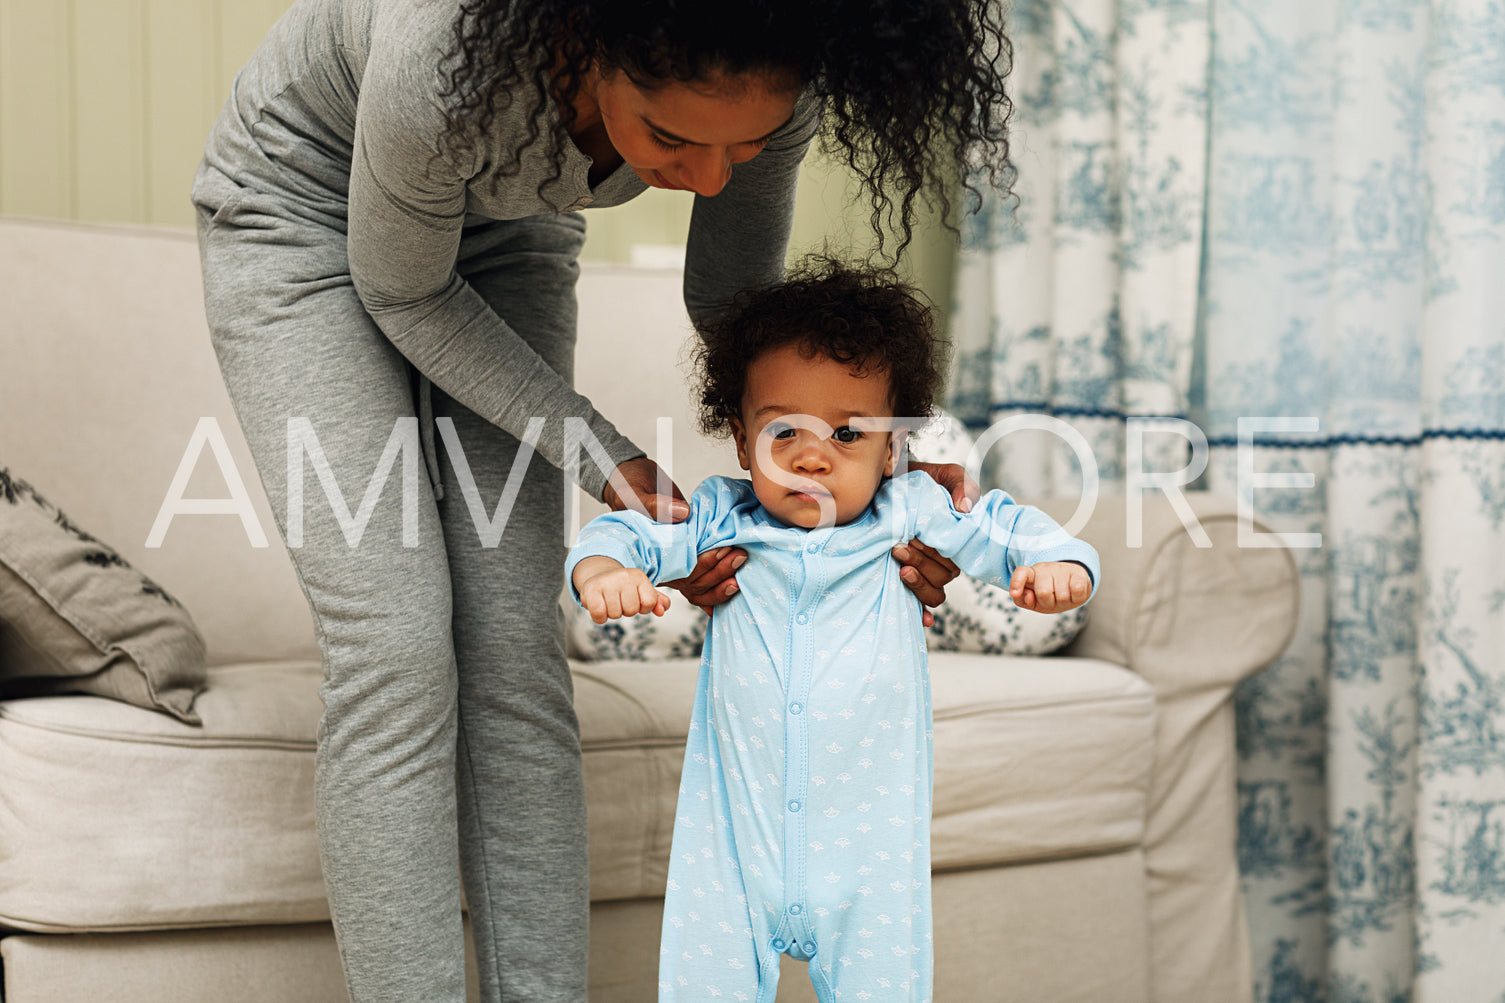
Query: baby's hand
x,y
621,592
1050,586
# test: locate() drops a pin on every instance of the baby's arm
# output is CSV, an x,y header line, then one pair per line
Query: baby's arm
x,y
622,555
1010,545
609,590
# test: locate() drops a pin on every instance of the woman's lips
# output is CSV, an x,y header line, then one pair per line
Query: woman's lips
x,y
666,183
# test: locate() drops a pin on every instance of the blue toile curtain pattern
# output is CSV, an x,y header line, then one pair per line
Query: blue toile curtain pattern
x,y
1078,299
1286,221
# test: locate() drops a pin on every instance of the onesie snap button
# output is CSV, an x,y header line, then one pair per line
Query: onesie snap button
x,y
778,945
814,548
810,950
794,708
794,910
802,618
794,806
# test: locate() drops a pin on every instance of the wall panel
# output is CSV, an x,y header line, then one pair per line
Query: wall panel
x,y
36,109
242,24
109,110
182,99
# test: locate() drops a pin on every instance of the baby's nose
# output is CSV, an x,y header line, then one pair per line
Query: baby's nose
x,y
812,456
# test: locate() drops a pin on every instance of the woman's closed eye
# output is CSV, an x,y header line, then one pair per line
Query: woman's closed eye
x,y
671,146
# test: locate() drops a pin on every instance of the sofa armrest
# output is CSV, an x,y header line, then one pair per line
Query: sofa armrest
x,y
1193,622
1184,617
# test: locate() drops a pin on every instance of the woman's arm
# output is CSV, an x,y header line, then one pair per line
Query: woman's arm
x,y
739,238
407,211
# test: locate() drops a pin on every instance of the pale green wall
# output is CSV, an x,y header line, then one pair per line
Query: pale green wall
x,y
104,105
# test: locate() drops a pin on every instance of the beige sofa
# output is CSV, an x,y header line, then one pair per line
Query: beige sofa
x,y
1084,807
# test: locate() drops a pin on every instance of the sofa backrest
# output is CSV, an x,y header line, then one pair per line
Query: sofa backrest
x,y
106,370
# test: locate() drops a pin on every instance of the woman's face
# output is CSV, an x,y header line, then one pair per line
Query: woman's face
x,y
688,136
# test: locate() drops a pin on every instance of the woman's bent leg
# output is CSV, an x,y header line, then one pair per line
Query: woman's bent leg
x,y
294,342
521,794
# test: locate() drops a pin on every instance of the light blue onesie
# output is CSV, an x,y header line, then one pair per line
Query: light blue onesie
x,y
811,731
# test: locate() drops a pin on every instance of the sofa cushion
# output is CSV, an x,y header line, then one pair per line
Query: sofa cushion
x,y
1034,758
76,618
165,825
115,818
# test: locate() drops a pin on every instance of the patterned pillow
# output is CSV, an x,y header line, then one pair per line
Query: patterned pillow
x,y
976,616
980,617
679,633
76,618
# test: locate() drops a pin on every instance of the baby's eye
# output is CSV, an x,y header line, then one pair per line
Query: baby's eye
x,y
779,430
846,434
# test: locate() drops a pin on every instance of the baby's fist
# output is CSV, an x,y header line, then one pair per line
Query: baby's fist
x,y
621,592
1050,586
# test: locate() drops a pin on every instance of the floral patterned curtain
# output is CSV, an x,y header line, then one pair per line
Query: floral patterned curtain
x,y
1292,212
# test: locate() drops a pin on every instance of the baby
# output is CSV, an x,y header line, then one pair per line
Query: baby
x,y
804,805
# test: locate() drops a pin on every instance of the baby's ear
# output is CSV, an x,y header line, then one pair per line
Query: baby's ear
x,y
739,436
896,440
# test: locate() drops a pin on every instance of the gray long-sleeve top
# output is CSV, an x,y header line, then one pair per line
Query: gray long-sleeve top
x,y
339,112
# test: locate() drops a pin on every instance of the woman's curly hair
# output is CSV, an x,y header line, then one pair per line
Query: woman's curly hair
x,y
860,316
914,89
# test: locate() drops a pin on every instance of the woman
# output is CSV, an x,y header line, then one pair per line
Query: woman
x,y
388,223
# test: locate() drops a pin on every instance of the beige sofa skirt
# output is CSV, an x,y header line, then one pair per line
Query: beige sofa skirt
x,y
1003,935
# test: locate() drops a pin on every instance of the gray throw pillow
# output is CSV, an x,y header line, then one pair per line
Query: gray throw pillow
x,y
76,618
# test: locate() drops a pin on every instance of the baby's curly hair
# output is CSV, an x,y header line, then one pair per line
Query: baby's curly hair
x,y
862,316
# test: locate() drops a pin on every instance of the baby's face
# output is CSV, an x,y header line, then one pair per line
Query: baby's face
x,y
808,437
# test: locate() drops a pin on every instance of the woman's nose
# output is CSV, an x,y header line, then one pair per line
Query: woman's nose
x,y
708,170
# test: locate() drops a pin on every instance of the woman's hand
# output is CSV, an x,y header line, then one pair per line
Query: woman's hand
x,y
641,476
926,573
710,582
953,477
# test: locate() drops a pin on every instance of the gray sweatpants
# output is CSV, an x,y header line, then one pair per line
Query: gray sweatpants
x,y
448,742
